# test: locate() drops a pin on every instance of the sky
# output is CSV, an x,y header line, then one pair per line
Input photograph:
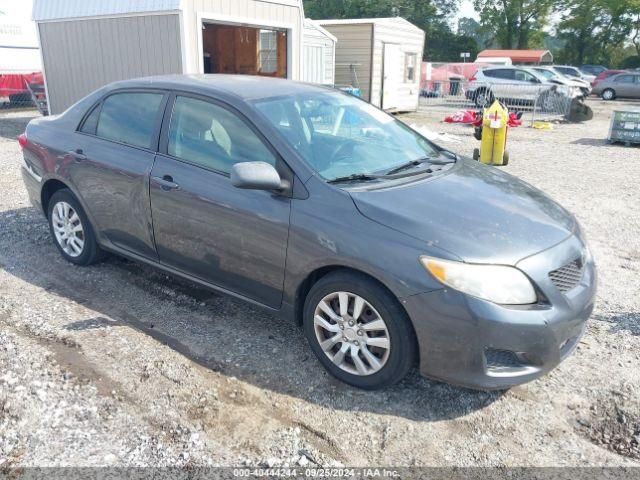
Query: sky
x,y
466,10
17,16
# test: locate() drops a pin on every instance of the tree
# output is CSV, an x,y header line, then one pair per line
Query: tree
x,y
515,23
599,31
441,43
470,27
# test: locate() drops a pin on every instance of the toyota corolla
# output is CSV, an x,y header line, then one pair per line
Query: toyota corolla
x,y
389,250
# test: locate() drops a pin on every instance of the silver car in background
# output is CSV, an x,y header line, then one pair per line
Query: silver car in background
x,y
622,85
508,84
577,86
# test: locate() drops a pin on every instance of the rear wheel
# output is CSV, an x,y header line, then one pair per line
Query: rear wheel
x,y
609,94
71,230
359,331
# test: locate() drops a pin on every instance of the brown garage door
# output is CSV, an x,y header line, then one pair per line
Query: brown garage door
x,y
244,50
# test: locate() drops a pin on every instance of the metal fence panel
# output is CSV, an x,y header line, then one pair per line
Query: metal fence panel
x,y
536,101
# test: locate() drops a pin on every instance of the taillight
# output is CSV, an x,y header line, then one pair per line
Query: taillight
x,y
22,141
473,79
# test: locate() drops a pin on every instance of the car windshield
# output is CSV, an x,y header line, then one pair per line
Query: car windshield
x,y
339,135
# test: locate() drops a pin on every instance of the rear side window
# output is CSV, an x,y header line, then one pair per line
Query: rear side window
x,y
213,137
503,73
129,118
91,122
624,79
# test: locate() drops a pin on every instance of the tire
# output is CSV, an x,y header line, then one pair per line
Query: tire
x,y
394,361
483,98
65,214
505,158
609,94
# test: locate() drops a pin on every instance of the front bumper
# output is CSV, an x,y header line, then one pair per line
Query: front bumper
x,y
478,344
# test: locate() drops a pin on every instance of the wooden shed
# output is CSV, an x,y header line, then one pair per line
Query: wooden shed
x,y
318,54
87,44
382,57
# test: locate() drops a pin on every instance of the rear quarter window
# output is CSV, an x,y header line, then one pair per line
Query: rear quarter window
x,y
129,118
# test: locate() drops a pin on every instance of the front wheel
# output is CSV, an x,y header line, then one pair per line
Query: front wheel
x,y
71,230
359,331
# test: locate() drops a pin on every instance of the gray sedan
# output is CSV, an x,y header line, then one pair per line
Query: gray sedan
x,y
389,250
622,85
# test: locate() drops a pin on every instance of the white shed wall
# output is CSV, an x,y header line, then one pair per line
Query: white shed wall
x,y
318,56
411,40
284,14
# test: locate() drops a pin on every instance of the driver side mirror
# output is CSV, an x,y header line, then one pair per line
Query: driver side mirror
x,y
256,176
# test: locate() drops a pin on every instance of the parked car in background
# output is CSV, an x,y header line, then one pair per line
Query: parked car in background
x,y
606,74
554,76
574,72
315,205
622,85
509,84
592,69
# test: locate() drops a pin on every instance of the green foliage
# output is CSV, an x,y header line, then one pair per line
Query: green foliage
x,y
588,31
515,23
599,31
442,44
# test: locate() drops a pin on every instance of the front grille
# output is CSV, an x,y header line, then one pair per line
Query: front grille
x,y
568,277
501,359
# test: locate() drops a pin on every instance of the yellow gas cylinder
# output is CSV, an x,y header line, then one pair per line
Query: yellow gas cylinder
x,y
494,136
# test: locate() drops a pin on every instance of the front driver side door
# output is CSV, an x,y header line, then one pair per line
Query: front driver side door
x,y
203,225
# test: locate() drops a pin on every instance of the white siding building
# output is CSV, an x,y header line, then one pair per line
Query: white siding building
x,y
86,44
318,54
382,57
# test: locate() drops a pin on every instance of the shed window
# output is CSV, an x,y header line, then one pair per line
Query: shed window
x,y
130,118
410,60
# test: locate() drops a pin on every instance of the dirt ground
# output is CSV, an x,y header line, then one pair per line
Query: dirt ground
x,y
118,364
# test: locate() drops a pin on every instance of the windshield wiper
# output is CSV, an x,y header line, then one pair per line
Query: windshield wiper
x,y
419,161
354,177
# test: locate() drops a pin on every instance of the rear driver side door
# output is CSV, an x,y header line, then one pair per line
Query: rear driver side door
x,y
203,225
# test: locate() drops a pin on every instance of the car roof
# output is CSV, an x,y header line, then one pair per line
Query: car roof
x,y
245,87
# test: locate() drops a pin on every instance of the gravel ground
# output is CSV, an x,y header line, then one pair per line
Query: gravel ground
x,y
118,364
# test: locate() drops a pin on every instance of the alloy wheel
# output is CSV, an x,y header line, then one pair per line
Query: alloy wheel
x,y
67,228
352,333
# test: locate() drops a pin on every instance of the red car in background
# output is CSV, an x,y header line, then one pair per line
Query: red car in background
x,y
605,74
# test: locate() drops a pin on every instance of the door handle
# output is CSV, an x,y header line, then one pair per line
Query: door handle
x,y
78,154
166,182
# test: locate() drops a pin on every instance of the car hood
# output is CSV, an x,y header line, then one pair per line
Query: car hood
x,y
478,213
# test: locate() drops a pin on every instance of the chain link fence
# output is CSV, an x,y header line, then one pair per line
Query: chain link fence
x,y
536,101
30,97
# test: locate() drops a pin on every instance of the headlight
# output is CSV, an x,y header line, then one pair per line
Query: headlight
x,y
496,283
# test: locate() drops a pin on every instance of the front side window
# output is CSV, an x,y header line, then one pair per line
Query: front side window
x,y
129,118
410,60
210,136
523,76
339,135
